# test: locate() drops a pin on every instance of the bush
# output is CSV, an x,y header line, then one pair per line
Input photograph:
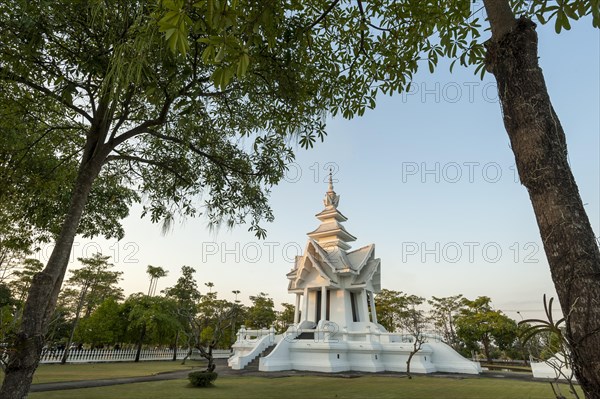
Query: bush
x,y
202,378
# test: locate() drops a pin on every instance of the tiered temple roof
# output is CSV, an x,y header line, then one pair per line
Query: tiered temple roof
x,y
326,253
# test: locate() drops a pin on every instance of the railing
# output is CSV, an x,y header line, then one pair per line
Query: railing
x,y
123,355
251,343
248,335
326,331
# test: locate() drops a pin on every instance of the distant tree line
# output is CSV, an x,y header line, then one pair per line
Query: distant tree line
x,y
471,327
93,312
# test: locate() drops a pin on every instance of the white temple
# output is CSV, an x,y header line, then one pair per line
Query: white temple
x,y
335,321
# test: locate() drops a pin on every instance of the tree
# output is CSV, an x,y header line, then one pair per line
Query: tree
x,y
7,316
185,293
261,314
414,321
155,272
36,181
210,285
23,277
285,317
390,306
397,311
236,303
145,122
478,323
539,144
215,333
208,319
212,319
104,326
150,318
22,273
443,314
12,253
37,178
94,283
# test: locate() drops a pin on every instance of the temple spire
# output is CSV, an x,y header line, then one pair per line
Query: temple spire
x,y
331,198
331,234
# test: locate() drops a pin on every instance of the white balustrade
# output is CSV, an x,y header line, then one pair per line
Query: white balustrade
x,y
123,355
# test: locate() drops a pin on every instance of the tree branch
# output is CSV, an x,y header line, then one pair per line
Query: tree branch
x,y
366,21
502,19
152,162
27,148
322,16
19,79
214,159
114,142
125,112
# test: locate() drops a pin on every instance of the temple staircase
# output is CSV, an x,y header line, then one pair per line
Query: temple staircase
x,y
253,365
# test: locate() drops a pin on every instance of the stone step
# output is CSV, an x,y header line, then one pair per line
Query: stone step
x,y
306,335
253,365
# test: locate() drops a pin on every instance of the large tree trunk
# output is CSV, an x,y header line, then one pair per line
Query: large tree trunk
x,y
43,294
410,356
539,145
175,345
486,348
140,343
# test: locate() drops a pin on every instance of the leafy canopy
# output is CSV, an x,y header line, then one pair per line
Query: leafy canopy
x,y
202,125
359,48
100,91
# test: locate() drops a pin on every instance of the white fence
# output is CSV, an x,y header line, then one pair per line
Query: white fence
x,y
123,355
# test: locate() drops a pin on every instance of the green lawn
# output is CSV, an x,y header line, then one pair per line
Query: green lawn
x,y
98,371
420,387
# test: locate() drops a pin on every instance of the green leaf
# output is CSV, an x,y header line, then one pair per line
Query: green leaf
x,y
226,77
243,63
570,12
216,77
560,16
208,55
220,54
210,4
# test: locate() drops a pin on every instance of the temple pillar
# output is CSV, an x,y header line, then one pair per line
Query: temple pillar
x,y
305,310
323,303
297,309
364,307
373,309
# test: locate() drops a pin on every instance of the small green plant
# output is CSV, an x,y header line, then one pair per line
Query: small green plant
x,y
202,378
561,361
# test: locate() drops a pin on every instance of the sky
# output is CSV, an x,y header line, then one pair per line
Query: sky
x,y
427,176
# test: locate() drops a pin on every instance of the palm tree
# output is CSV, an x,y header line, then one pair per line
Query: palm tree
x,y
155,272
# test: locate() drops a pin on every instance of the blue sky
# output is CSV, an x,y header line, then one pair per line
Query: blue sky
x,y
428,177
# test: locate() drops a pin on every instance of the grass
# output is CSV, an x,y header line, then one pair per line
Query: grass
x,y
98,371
420,387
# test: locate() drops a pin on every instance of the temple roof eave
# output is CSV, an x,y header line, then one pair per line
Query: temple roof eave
x,y
328,213
346,272
341,233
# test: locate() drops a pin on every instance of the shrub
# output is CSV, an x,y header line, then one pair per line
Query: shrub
x,y
202,378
